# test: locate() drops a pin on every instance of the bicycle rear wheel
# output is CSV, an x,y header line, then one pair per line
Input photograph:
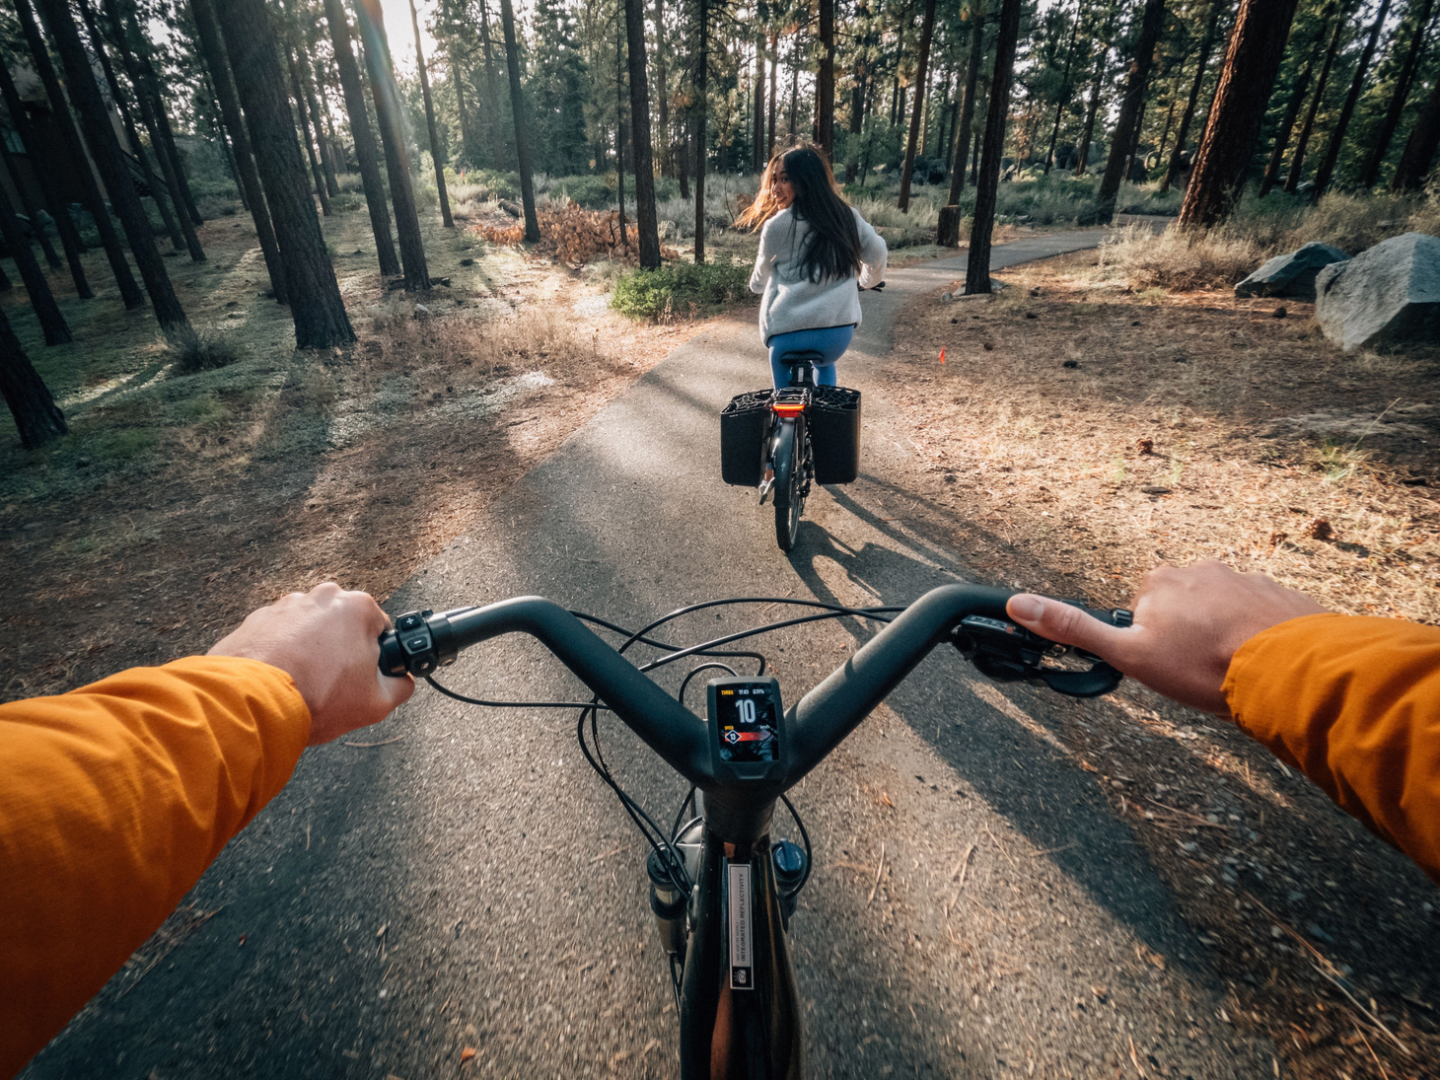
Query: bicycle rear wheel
x,y
789,485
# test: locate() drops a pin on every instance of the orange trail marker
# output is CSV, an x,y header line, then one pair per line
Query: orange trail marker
x,y
942,354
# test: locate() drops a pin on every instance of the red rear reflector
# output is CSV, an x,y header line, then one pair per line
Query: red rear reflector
x,y
789,410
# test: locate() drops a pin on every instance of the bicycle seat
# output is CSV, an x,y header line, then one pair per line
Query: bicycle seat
x,y
802,356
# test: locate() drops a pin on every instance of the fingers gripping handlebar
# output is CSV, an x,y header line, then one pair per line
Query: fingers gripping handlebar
x,y
969,616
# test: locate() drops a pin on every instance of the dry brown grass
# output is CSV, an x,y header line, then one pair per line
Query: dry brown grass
x,y
1183,432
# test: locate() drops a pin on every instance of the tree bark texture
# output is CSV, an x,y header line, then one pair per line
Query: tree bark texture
x,y
130,292
825,82
1337,137
517,107
36,415
917,117
212,50
967,111
52,322
109,160
987,184
662,95
1182,136
774,97
1421,146
437,150
1132,101
315,301
386,96
1257,45
757,129
647,230
366,154
1297,161
1381,141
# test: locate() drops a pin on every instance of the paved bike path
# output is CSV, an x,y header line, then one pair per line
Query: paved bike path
x,y
975,909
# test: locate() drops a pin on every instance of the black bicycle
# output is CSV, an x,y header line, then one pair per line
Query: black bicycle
x,y
722,892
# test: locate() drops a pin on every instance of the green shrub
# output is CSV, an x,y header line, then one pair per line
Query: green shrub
x,y
679,290
192,350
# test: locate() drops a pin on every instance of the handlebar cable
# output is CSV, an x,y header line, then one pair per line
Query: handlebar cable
x,y
805,836
712,666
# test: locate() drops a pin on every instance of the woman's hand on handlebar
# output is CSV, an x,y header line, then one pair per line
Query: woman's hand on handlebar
x,y
1188,624
326,641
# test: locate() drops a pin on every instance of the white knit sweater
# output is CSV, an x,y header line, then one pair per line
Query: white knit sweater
x,y
789,300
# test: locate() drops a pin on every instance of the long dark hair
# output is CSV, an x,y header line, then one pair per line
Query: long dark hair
x,y
833,250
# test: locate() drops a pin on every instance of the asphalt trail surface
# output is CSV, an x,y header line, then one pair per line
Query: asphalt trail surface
x,y
975,910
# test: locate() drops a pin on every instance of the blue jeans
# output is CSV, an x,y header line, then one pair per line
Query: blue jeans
x,y
831,342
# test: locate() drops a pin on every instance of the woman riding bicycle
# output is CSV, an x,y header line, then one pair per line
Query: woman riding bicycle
x,y
812,247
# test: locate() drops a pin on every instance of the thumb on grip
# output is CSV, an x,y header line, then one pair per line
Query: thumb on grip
x,y
1061,622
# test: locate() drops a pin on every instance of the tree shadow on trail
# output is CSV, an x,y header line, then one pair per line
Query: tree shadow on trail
x,y
1040,789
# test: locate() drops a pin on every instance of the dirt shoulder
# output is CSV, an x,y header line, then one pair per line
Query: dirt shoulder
x,y
180,502
1076,435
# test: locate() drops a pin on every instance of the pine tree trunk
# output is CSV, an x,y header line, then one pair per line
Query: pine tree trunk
x,y
1287,122
701,115
160,193
315,301
147,99
620,135
52,322
967,111
1421,146
302,117
1297,162
312,102
37,417
32,211
825,82
1207,43
987,184
150,85
1381,142
108,159
1127,126
386,97
467,117
1357,84
774,98
437,149
366,155
757,129
497,145
1087,133
517,106
662,94
69,237
212,49
130,292
1064,91
907,171
647,233
1257,45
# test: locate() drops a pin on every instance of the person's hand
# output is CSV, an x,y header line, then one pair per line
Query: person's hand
x,y
1188,624
326,640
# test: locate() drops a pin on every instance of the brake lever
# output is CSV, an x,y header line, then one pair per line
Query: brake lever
x,y
1006,652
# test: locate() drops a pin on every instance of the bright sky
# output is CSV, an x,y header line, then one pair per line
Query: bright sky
x,y
402,35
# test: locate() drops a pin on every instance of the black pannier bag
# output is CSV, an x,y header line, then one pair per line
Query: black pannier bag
x,y
744,424
834,417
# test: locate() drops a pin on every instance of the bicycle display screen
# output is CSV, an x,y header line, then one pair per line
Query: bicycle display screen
x,y
746,718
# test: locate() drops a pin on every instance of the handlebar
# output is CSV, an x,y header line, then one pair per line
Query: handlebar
x,y
970,616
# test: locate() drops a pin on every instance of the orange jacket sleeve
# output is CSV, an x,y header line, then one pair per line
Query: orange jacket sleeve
x,y
1354,703
113,800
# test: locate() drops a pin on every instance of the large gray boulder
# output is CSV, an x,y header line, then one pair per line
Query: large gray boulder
x,y
1386,295
1291,274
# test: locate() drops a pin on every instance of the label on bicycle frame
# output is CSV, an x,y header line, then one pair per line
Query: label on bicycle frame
x,y
742,927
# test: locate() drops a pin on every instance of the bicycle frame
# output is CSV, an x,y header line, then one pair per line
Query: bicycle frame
x,y
740,1015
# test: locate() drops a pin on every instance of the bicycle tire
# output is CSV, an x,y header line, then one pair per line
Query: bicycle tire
x,y
789,509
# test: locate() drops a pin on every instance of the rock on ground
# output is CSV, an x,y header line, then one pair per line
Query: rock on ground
x,y
1291,274
1385,295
